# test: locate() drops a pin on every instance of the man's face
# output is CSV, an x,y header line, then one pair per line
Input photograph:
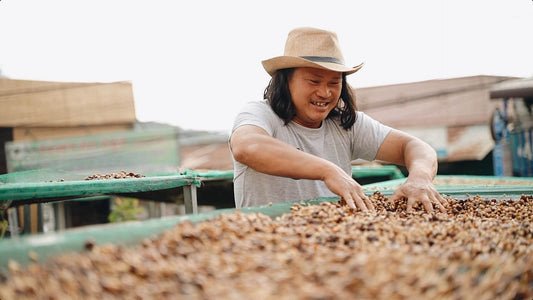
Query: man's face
x,y
315,92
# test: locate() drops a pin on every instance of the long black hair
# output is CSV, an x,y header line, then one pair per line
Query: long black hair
x,y
279,97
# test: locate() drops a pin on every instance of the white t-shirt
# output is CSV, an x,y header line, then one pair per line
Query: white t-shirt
x,y
331,142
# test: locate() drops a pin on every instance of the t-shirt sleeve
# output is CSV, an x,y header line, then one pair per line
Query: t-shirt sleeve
x,y
369,134
257,113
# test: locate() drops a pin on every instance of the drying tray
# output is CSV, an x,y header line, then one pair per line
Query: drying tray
x,y
133,232
52,185
467,186
42,184
125,233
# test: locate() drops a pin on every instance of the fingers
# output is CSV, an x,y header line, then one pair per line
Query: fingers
x,y
410,202
350,202
397,195
368,203
427,204
360,204
440,201
357,199
361,201
427,200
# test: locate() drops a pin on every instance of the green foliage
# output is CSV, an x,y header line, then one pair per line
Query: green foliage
x,y
125,209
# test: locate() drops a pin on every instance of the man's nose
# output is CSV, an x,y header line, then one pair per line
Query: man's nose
x,y
324,91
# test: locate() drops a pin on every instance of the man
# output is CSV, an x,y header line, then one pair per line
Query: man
x,y
299,142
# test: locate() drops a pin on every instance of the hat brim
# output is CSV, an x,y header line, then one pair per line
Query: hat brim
x,y
284,62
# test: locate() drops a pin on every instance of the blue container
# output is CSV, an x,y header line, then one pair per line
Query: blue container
x,y
522,147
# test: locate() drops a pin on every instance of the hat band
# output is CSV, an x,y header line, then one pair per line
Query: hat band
x,y
323,59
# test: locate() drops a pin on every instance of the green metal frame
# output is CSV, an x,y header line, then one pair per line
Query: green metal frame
x,y
133,232
511,187
390,171
36,190
126,233
42,184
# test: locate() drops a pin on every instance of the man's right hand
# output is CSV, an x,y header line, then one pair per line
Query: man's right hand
x,y
347,188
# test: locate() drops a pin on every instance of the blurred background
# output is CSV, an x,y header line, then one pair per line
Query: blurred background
x,y
99,86
194,64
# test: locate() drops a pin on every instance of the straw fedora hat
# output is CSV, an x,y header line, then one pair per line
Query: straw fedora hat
x,y
310,47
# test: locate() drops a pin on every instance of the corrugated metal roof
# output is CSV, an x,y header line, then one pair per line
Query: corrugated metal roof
x,y
453,115
518,88
445,102
457,143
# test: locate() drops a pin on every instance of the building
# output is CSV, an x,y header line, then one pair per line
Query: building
x,y
452,115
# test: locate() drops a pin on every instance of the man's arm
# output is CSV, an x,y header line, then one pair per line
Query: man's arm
x,y
420,159
252,146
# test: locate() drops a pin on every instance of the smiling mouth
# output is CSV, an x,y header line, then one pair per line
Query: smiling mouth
x,y
320,104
